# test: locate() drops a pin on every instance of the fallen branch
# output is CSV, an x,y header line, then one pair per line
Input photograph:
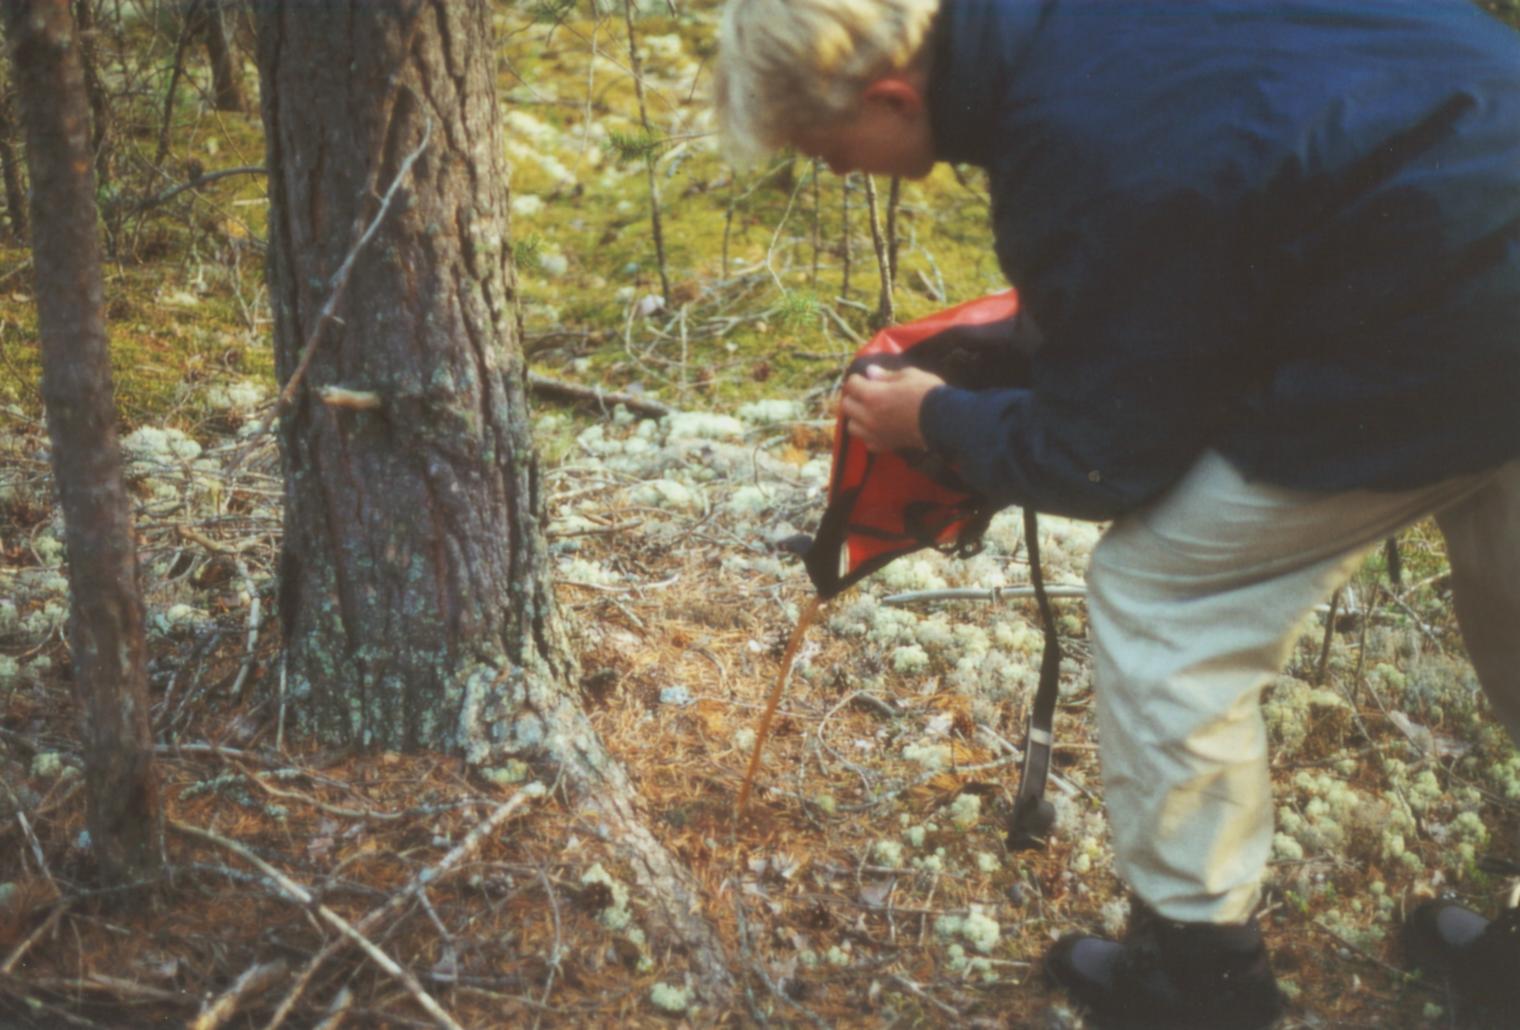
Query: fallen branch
x,y
918,992
757,966
337,1010
203,179
602,400
254,980
993,594
250,647
295,892
843,326
31,838
463,850
21,949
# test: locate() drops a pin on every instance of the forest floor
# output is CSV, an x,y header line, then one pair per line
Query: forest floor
x,y
867,884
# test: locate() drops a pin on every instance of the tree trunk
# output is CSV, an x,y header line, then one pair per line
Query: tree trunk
x,y
415,593
166,126
106,618
415,587
226,80
100,109
10,173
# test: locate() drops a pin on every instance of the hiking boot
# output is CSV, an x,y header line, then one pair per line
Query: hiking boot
x,y
1480,957
1165,974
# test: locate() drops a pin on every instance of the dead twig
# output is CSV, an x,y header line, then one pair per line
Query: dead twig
x,y
254,980
31,838
337,1010
20,950
205,178
603,400
757,966
993,594
250,646
299,894
463,850
924,996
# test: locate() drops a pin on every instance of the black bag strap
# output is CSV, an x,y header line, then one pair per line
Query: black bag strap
x,y
1033,817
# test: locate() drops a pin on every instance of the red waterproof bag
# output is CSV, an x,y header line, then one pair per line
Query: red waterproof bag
x,y
882,506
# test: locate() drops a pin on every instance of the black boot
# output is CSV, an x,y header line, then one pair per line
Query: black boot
x,y
1480,957
1187,976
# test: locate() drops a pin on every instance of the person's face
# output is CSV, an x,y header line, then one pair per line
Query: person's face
x,y
888,135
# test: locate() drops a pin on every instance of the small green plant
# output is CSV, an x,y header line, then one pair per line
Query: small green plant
x,y
526,250
634,146
549,12
798,310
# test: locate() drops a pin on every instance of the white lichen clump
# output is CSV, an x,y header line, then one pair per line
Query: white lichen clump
x,y
240,396
668,998
976,927
888,853
965,811
920,573
163,445
750,500
770,412
701,425
669,494
1294,707
180,618
931,756
910,659
616,915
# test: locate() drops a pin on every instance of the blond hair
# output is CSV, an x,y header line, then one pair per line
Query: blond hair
x,y
790,65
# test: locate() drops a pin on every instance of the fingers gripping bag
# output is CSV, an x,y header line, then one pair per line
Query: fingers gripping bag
x,y
883,506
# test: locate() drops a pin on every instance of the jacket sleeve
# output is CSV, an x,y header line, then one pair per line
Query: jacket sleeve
x,y
1147,314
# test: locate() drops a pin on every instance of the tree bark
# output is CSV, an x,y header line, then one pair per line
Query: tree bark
x,y
106,617
166,126
10,174
226,80
94,89
416,593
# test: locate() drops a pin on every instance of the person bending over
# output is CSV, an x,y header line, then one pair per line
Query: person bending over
x,y
1273,251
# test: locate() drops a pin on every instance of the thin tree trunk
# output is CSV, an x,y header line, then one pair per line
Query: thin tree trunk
x,y
817,221
416,587
846,244
656,225
886,313
226,81
100,109
165,130
10,171
106,617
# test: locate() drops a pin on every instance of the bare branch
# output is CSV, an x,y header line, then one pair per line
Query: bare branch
x,y
301,896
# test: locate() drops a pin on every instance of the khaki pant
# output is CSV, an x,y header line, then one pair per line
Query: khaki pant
x,y
1195,602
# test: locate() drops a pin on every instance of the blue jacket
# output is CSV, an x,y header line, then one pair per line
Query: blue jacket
x,y
1288,231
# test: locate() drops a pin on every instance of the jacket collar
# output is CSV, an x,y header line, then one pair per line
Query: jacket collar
x,y
978,48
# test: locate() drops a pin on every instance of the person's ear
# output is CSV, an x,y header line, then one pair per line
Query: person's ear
x,y
895,91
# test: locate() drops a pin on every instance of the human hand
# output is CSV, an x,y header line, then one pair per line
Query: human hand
x,y
881,406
